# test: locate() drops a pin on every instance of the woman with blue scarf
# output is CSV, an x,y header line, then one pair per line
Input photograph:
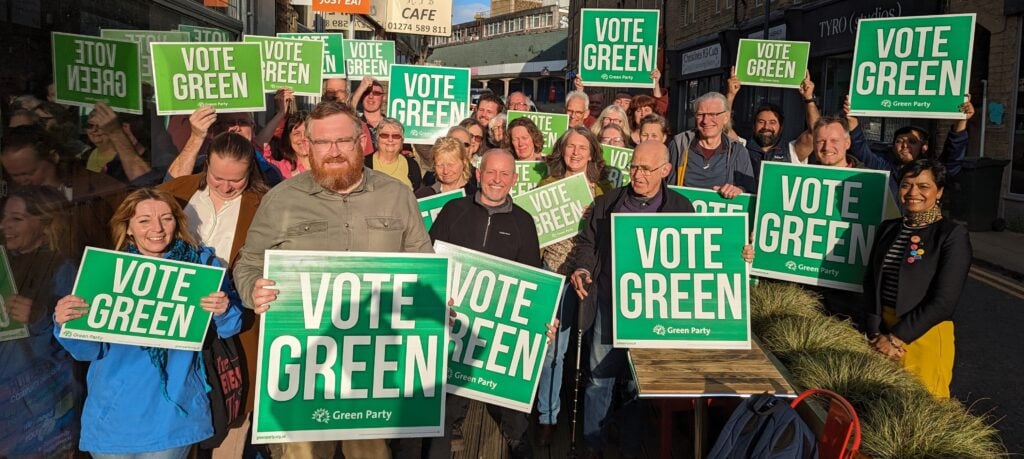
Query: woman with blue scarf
x,y
142,401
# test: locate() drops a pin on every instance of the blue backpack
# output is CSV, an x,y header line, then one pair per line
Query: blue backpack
x,y
764,426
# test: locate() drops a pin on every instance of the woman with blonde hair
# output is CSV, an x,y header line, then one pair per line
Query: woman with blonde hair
x,y
611,115
39,247
452,170
146,399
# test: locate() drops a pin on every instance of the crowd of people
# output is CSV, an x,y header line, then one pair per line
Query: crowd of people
x,y
217,189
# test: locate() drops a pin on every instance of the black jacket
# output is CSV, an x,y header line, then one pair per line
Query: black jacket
x,y
930,287
507,232
593,250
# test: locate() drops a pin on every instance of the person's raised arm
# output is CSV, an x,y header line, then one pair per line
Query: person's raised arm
x,y
364,85
732,87
282,100
133,164
200,120
811,112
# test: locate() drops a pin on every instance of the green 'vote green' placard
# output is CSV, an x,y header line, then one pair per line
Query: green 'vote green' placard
x,y
430,206
680,281
334,51
428,100
9,328
617,160
225,76
914,66
205,34
352,348
774,63
530,174
557,208
144,38
291,63
372,58
144,301
88,69
618,48
498,340
551,126
815,224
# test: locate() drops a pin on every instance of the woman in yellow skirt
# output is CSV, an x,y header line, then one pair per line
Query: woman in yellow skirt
x,y
917,269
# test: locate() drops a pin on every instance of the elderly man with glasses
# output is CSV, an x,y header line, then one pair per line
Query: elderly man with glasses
x,y
706,157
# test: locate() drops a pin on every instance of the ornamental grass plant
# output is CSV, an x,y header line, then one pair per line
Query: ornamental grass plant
x,y
899,418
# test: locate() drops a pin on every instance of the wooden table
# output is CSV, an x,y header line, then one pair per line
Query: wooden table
x,y
698,374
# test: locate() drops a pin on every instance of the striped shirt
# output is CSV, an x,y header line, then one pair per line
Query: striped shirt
x,y
891,267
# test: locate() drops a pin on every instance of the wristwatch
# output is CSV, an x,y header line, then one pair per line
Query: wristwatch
x,y
812,100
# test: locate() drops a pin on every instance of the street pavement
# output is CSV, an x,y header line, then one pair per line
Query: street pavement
x,y
989,369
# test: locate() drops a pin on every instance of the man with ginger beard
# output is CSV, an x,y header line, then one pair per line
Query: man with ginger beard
x,y
338,206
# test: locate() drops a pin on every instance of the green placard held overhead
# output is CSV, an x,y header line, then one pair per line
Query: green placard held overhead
x,y
372,58
334,51
428,100
618,48
144,38
226,76
530,174
815,224
290,63
551,126
143,301
774,63
430,206
557,208
498,340
206,34
9,328
352,348
88,69
680,281
914,67
617,160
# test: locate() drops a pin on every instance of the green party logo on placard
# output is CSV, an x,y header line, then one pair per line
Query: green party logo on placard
x,y
10,329
352,348
618,48
430,206
710,202
144,38
530,174
334,51
372,58
775,63
87,70
288,63
815,224
225,76
143,301
915,67
206,34
680,281
557,208
498,340
551,125
617,159
428,100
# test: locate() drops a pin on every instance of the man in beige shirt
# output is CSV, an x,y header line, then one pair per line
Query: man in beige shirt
x,y
338,206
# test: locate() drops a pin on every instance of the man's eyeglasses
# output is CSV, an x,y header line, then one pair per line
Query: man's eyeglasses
x,y
611,139
575,112
643,170
388,136
343,144
701,116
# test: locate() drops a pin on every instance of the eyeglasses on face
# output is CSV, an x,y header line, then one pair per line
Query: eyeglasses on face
x,y
343,144
375,93
389,136
701,116
478,138
611,139
643,170
233,123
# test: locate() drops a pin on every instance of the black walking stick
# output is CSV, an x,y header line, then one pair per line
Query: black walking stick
x,y
585,318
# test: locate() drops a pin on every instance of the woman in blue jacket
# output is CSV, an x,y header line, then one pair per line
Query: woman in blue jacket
x,y
143,399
